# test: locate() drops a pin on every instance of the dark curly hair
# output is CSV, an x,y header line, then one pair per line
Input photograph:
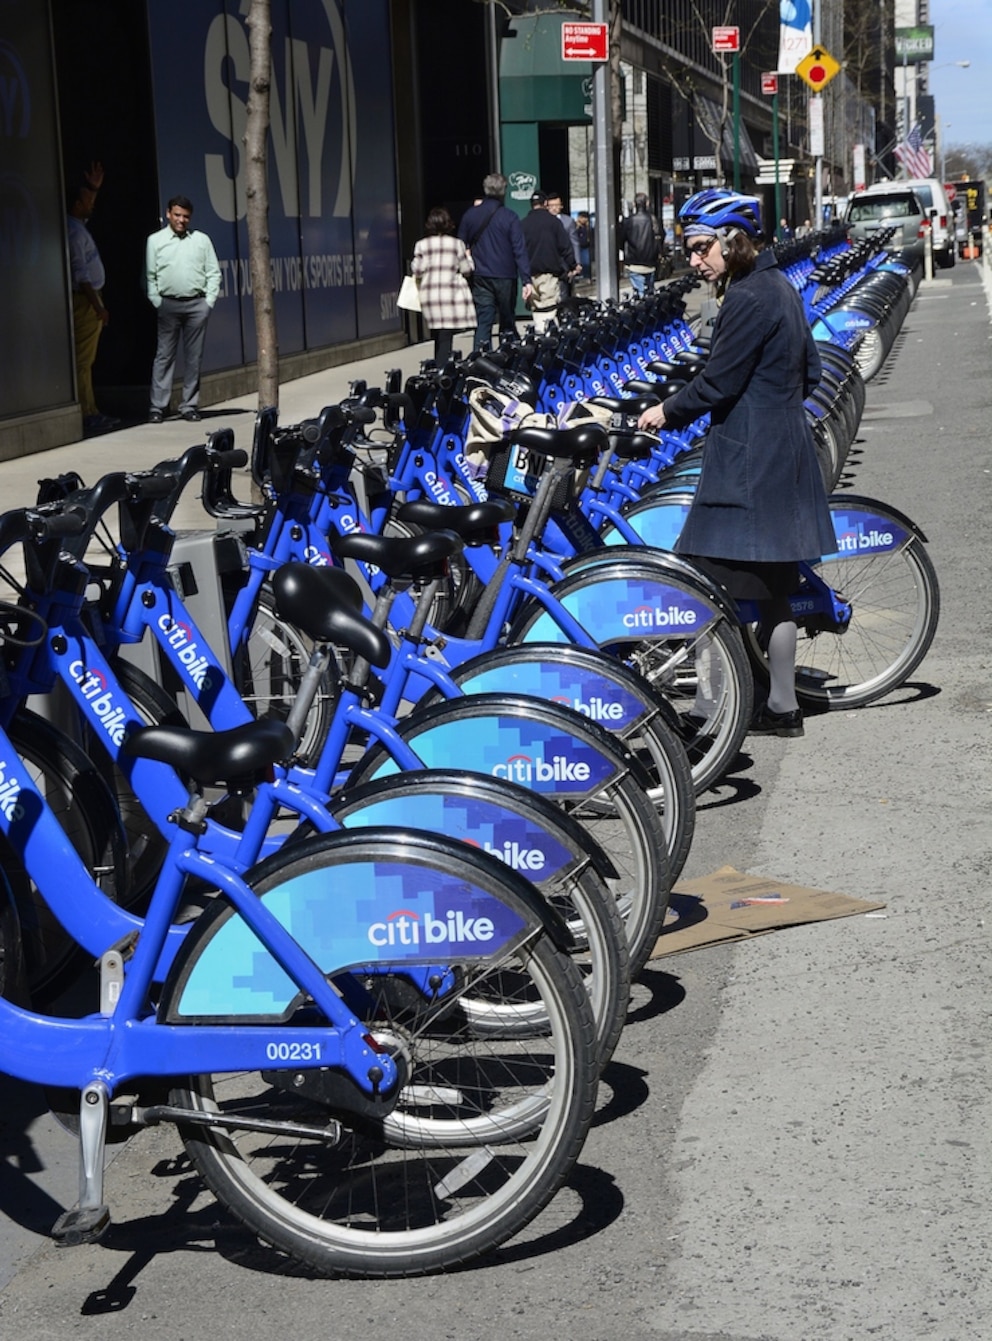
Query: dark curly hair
x,y
439,221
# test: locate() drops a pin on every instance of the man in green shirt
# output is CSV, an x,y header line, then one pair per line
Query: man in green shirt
x,y
183,281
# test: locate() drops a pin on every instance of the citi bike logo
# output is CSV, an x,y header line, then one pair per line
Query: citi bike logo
x,y
596,709
408,928
10,791
439,489
655,617
195,664
860,539
93,687
467,469
523,769
520,858
316,557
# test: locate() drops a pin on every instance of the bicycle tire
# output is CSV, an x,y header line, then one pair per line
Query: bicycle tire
x,y
13,983
896,608
268,670
361,1204
620,816
436,801
712,731
146,845
653,737
714,723
85,808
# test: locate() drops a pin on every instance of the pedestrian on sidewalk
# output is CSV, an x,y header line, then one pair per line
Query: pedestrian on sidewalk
x,y
183,282
89,313
556,207
760,505
441,264
495,240
551,259
583,232
638,237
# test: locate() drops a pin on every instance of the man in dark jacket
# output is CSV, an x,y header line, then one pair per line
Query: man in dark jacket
x,y
639,240
551,259
495,239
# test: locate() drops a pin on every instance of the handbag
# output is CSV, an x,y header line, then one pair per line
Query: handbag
x,y
409,295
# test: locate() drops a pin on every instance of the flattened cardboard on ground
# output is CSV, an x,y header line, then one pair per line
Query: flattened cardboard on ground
x,y
728,905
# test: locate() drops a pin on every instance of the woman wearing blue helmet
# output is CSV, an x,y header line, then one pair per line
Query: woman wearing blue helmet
x,y
760,505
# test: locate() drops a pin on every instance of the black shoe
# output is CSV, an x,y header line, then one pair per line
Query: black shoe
x,y
192,416
156,416
768,723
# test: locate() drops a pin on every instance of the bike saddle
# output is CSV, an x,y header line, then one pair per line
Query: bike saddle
x,y
474,522
418,556
632,446
643,396
315,601
236,759
579,444
656,390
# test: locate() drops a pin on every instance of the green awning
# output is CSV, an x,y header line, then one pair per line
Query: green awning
x,y
535,84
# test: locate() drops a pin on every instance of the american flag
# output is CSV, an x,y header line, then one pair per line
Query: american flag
x,y
914,155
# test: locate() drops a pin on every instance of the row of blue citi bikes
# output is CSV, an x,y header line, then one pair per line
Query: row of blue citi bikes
x,y
366,801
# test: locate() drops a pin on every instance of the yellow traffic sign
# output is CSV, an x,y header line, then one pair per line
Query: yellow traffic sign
x,y
818,68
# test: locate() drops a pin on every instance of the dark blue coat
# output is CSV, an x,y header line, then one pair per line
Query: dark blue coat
x,y
760,495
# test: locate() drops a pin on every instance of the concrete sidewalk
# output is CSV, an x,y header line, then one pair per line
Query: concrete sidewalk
x,y
140,446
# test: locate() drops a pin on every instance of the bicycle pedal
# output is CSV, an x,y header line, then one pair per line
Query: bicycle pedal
x,y
81,1225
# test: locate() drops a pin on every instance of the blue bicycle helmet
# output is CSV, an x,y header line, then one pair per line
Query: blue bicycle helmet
x,y
716,212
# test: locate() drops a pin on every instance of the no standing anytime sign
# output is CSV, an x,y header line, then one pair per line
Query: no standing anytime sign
x,y
584,42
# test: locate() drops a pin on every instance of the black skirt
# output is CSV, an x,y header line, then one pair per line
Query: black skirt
x,y
748,580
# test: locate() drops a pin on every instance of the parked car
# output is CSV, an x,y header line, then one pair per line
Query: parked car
x,y
937,208
893,206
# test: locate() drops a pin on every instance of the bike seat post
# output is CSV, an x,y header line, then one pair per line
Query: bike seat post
x,y
307,689
425,594
602,469
360,669
539,511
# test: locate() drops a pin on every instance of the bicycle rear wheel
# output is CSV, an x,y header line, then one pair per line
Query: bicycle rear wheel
x,y
895,607
562,865
75,792
268,671
484,1130
476,731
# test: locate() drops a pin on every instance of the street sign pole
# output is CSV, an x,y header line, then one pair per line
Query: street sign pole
x,y
737,120
778,185
769,84
818,179
606,224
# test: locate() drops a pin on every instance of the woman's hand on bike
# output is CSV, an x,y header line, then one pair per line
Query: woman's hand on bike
x,y
652,418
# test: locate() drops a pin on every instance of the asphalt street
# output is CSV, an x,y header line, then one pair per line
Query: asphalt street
x,y
794,1140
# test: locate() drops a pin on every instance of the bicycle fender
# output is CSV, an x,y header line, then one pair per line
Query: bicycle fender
x,y
882,512
538,839
365,898
672,582
544,747
598,687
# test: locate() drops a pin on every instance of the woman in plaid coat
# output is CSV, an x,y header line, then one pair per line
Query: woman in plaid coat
x,y
440,263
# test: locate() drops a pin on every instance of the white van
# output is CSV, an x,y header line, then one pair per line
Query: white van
x,y
932,196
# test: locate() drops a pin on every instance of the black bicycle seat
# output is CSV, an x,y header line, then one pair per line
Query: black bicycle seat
x,y
417,556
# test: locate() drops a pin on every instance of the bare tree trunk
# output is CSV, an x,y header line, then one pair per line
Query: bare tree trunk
x,y
257,196
615,21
